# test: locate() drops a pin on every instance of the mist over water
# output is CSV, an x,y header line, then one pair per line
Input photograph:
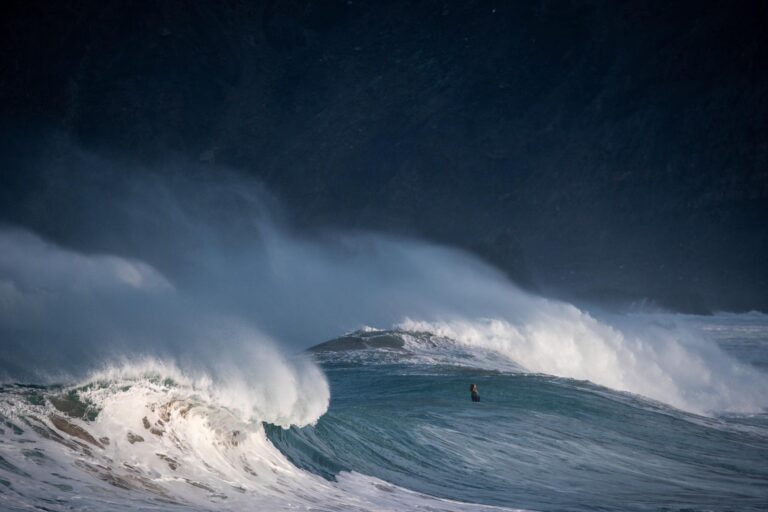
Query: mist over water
x,y
203,271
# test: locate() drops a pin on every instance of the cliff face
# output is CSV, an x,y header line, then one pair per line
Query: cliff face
x,y
609,151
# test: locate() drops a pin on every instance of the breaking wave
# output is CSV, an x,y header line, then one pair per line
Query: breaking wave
x,y
150,437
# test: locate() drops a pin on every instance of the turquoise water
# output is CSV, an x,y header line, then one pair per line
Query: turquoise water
x,y
535,441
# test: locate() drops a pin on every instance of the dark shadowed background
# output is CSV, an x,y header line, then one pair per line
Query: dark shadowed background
x,y
612,151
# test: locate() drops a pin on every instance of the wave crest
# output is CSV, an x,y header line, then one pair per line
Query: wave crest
x,y
268,388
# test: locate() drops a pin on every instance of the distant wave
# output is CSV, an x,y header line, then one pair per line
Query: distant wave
x,y
663,357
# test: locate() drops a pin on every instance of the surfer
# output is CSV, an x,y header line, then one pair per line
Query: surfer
x,y
475,393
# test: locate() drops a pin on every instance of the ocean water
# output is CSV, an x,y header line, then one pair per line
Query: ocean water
x,y
599,419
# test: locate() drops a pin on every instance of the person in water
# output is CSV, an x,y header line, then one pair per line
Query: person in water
x,y
475,393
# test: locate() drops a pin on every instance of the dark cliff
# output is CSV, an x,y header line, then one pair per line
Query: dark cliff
x,y
607,151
